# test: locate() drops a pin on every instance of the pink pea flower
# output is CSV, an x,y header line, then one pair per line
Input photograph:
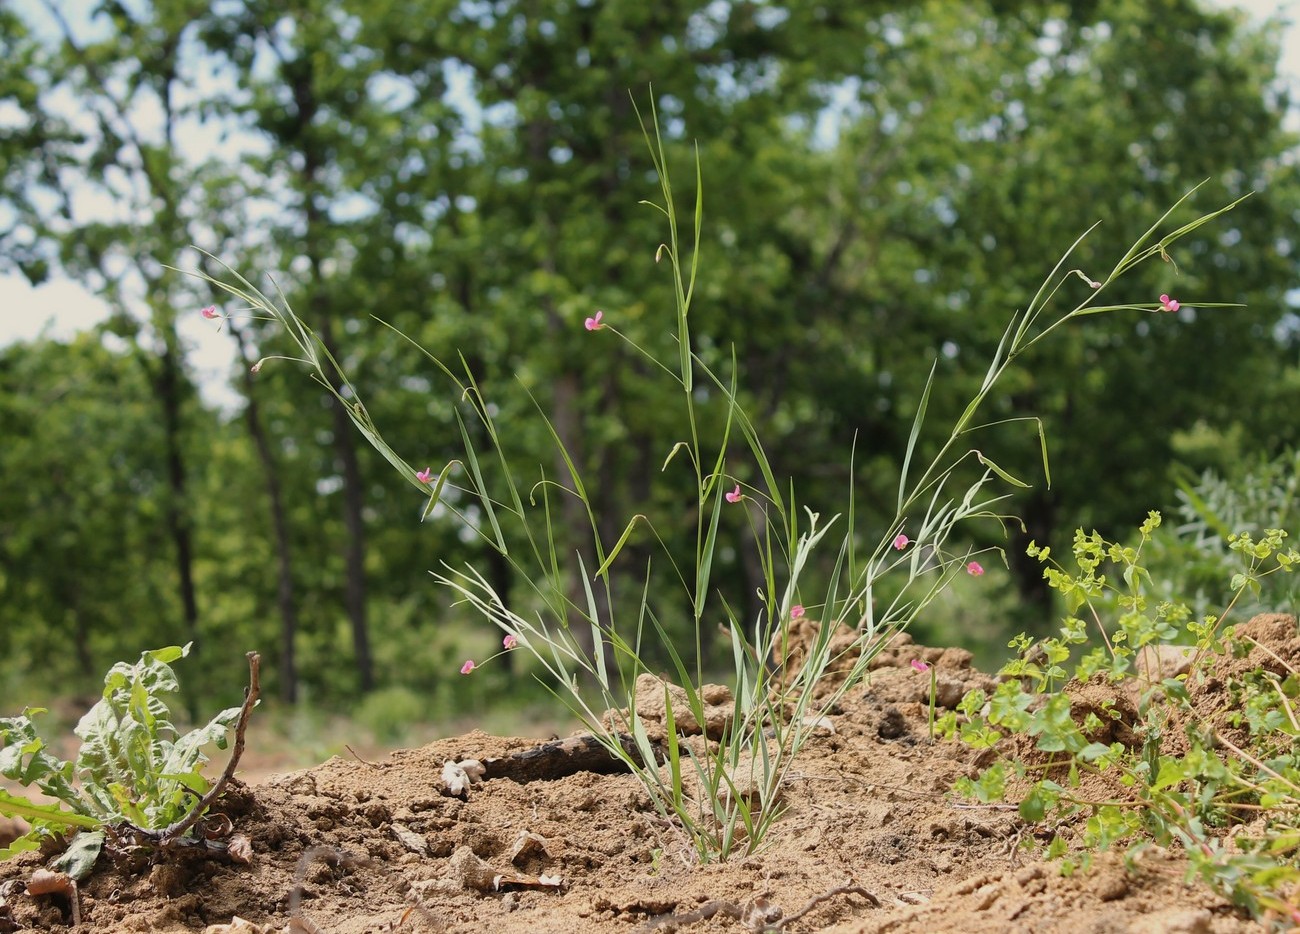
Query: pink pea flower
x,y
210,312
735,495
467,667
595,323
974,569
1168,304
920,665
796,611
510,641
425,475
902,541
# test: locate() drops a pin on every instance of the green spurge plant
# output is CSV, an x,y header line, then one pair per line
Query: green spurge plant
x,y
136,781
725,797
1175,755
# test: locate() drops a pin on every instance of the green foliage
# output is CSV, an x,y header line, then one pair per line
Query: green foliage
x,y
80,548
133,767
1234,808
877,170
1197,555
725,798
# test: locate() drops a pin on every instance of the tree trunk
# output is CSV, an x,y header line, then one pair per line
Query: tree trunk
x,y
567,418
354,548
167,386
1039,516
284,591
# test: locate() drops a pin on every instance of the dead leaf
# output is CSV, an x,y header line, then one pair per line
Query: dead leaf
x,y
47,882
240,849
526,845
459,776
473,873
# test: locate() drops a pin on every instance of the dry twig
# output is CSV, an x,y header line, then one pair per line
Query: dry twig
x,y
848,888
373,765
178,829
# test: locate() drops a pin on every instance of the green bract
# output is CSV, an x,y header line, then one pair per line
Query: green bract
x,y
133,767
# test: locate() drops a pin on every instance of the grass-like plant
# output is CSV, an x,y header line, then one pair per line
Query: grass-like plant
x,y
1216,771
136,782
724,796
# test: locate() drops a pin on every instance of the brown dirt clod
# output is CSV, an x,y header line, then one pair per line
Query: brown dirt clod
x,y
380,847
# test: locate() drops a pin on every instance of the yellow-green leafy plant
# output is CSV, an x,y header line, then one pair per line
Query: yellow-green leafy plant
x,y
1227,791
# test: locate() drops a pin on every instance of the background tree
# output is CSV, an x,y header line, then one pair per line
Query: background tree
x,y
84,554
884,184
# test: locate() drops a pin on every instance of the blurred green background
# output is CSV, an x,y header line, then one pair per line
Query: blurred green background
x,y
884,184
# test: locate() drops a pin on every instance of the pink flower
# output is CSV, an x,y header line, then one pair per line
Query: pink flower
x,y
902,541
920,665
210,312
974,569
594,324
510,641
735,495
796,611
425,475
1168,304
467,667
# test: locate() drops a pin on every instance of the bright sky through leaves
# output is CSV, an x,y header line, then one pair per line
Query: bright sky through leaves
x,y
61,307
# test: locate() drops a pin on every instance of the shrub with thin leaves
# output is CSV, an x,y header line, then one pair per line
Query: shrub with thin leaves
x,y
1191,557
724,796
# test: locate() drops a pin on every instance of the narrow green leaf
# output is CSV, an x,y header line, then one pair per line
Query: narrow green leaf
x,y
706,555
988,462
1042,442
674,753
673,453
480,488
618,546
13,805
917,421
593,619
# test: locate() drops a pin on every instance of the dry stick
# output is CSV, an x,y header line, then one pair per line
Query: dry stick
x,y
849,888
250,700
373,765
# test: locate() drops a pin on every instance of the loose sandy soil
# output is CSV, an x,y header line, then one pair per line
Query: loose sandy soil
x,y
873,841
